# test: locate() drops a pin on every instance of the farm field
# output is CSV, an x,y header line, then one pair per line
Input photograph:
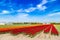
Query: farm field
x,y
57,27
29,28
30,32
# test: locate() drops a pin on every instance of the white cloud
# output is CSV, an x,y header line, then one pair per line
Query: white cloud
x,y
30,9
26,10
5,12
20,10
40,6
22,15
54,14
44,2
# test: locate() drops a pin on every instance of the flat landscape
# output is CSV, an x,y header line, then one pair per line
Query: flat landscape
x,y
30,31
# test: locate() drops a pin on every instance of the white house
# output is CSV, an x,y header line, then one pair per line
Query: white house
x,y
46,23
2,23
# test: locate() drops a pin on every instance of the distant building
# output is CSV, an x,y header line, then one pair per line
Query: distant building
x,y
9,23
46,23
2,23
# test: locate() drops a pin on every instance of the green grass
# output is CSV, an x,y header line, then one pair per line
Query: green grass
x,y
14,25
57,27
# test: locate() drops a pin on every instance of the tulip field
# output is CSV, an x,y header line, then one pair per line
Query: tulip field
x,y
31,29
30,32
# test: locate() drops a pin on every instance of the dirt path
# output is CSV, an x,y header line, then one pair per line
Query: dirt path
x,y
40,36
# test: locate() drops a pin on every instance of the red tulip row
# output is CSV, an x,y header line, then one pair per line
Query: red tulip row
x,y
33,30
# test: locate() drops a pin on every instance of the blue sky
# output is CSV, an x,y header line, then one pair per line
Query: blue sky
x,y
29,10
